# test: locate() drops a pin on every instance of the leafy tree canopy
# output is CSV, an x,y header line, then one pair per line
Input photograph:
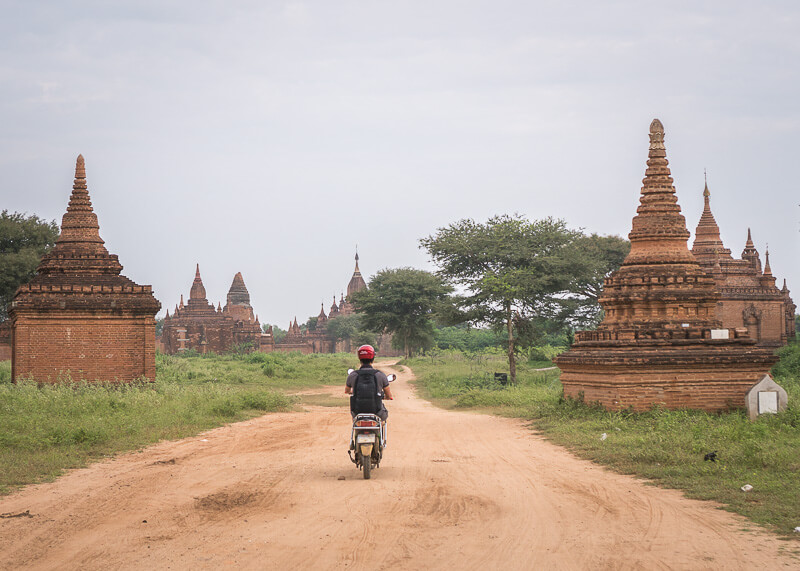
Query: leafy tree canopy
x,y
524,276
594,257
465,338
23,242
403,301
344,326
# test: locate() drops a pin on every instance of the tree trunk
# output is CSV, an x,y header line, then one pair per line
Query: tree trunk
x,y
512,364
405,342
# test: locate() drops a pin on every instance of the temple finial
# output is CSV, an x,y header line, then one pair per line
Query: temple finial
x,y
657,136
80,167
198,290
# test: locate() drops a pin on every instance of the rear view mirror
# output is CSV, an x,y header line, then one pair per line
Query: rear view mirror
x,y
391,377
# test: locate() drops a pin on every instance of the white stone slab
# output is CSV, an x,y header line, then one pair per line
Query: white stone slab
x,y
767,402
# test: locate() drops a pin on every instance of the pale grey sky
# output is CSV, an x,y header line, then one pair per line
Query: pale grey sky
x,y
272,137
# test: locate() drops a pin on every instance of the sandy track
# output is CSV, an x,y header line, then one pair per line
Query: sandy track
x,y
455,490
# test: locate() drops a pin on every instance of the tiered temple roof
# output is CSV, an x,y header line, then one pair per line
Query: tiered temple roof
x,y
660,285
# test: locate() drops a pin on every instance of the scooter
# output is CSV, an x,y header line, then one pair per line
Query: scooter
x,y
367,440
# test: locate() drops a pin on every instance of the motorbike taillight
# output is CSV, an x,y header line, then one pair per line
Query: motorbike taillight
x,y
366,423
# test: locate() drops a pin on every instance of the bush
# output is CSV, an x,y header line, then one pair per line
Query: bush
x,y
545,353
789,365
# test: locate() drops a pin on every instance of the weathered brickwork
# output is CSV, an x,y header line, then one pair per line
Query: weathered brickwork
x,y
749,297
79,318
662,341
199,326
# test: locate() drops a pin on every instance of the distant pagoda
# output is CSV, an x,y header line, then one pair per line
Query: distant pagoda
x,y
200,326
660,342
79,318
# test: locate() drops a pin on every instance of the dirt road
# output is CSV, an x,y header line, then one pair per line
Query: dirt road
x,y
455,491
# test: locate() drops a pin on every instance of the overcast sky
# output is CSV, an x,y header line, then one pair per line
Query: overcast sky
x,y
272,137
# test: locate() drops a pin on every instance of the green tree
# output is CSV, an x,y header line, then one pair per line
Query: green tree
x,y
23,242
278,334
515,273
344,326
463,337
350,327
402,301
594,258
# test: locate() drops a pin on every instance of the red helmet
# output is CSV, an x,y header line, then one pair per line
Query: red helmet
x,y
366,352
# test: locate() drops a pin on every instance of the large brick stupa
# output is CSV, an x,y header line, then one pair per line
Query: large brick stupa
x,y
660,341
79,318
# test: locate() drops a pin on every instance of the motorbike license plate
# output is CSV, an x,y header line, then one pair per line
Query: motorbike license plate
x,y
365,439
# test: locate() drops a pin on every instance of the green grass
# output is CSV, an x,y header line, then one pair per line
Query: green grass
x,y
45,430
665,446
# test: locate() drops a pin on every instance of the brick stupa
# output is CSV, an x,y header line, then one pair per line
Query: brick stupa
x,y
79,318
660,342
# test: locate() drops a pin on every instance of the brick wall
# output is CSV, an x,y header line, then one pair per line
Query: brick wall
x,y
92,349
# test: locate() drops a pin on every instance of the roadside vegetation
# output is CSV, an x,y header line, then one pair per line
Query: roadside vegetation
x,y
45,430
667,447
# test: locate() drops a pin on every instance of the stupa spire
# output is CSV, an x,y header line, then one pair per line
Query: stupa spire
x,y
767,269
198,291
767,279
659,255
79,226
750,253
79,248
707,242
357,282
658,233
238,294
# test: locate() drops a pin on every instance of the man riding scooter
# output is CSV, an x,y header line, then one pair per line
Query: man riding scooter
x,y
367,387
366,354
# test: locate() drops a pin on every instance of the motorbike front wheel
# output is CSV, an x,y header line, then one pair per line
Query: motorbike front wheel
x,y
366,463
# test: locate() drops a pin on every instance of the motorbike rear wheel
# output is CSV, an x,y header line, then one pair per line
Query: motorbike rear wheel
x,y
366,463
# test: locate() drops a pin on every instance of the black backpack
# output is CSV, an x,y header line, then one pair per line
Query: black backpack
x,y
367,393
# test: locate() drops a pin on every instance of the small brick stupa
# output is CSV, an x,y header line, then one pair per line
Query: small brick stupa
x,y
78,317
660,342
